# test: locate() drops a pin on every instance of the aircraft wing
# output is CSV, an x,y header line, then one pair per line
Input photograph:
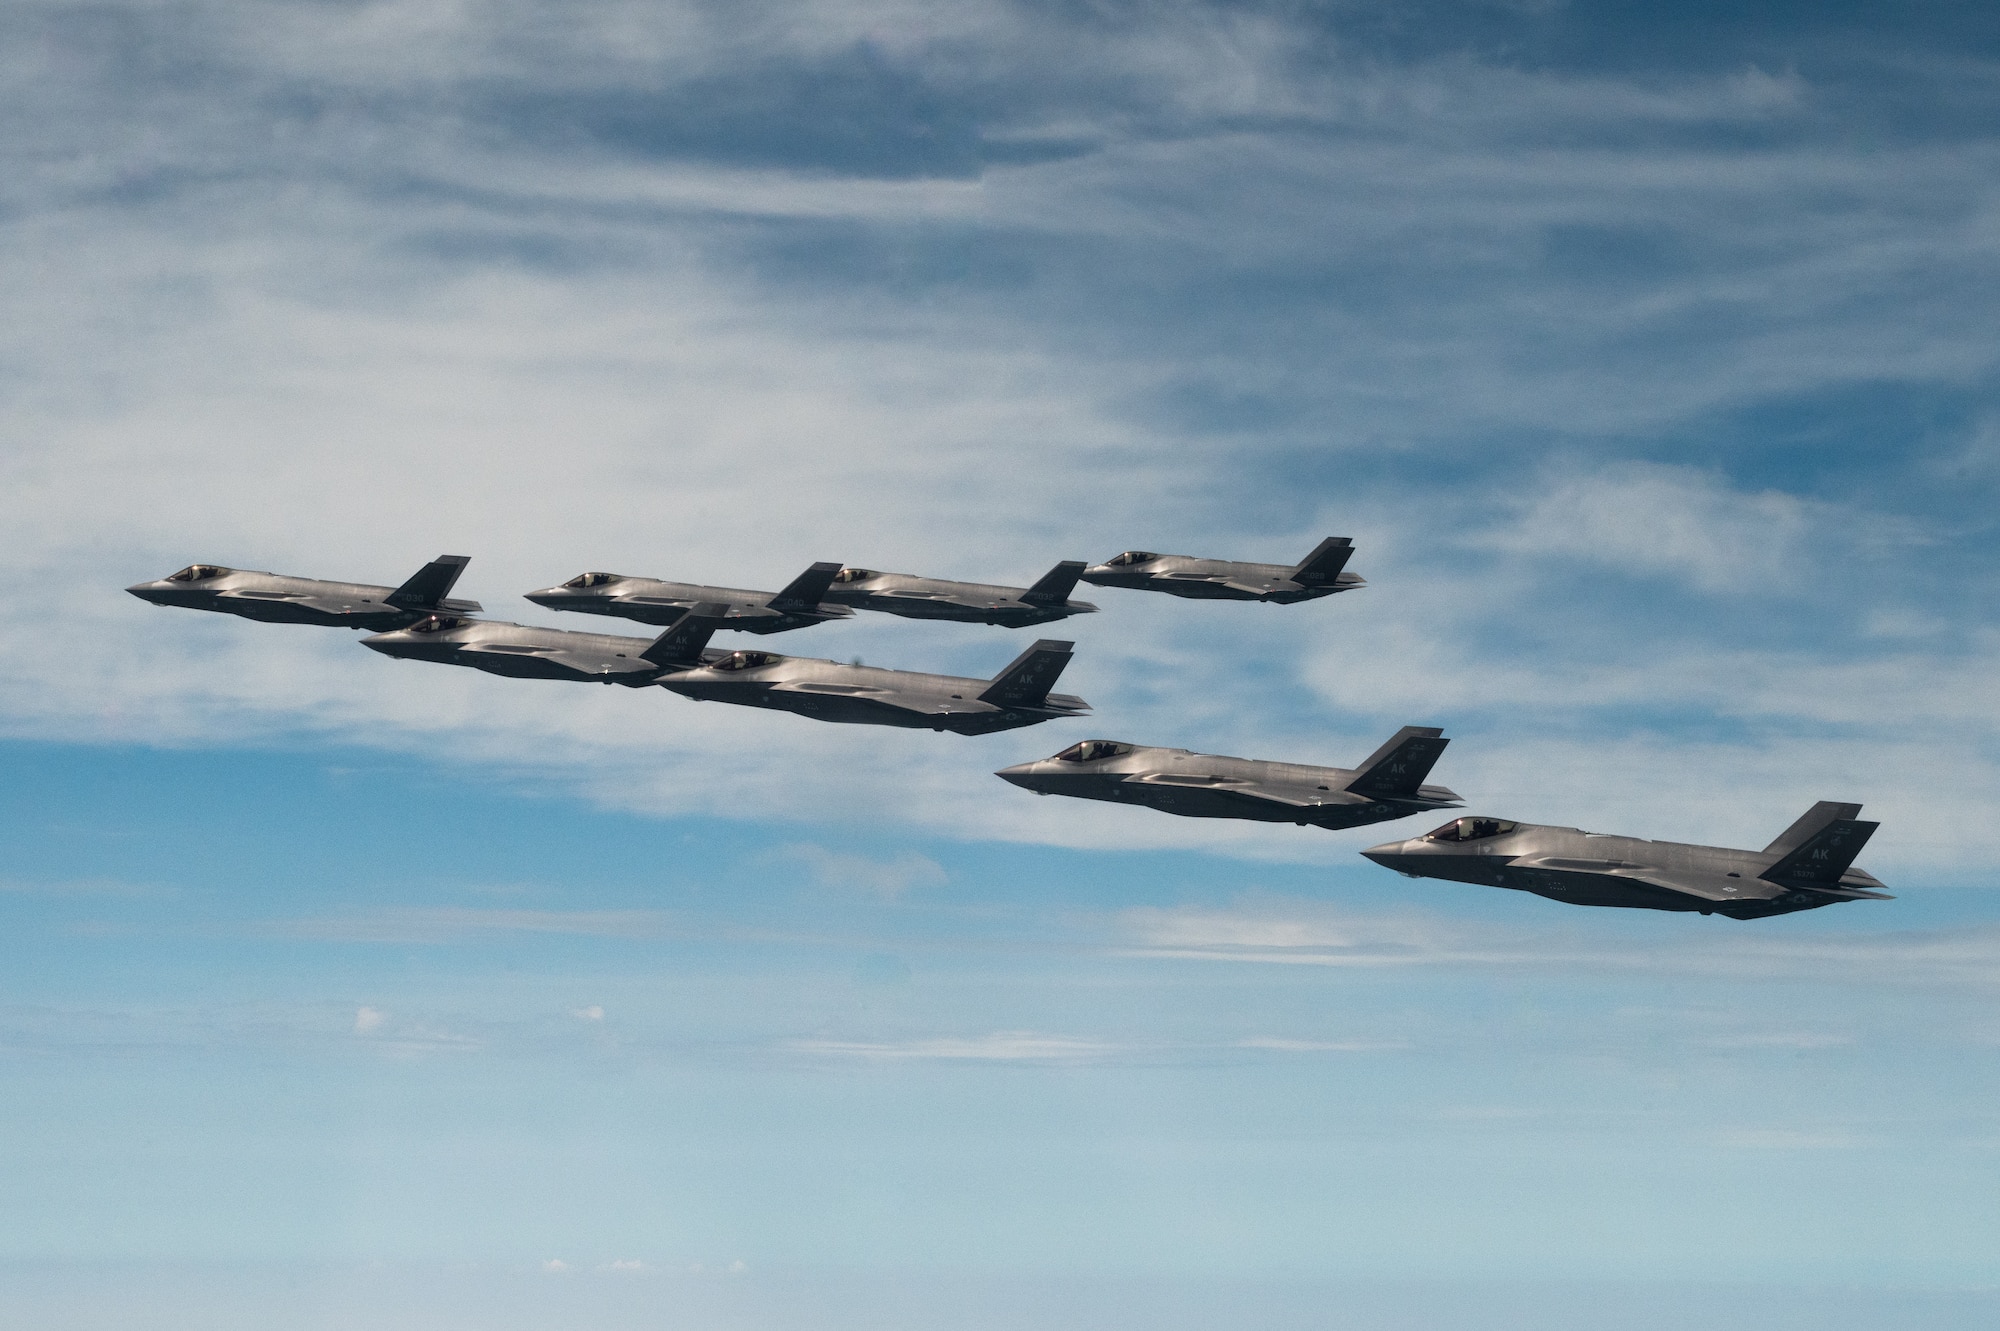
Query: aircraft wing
x,y
1687,882
326,605
1291,797
1254,586
585,664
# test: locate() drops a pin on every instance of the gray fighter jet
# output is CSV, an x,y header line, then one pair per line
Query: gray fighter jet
x,y
867,695
1806,867
1388,784
974,602
651,601
277,599
1318,574
523,651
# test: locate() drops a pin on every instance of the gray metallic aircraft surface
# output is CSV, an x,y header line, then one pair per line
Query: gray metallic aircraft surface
x,y
276,599
524,651
651,601
974,602
1320,573
868,695
1807,866
1388,784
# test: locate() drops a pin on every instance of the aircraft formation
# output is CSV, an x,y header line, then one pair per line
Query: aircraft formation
x,y
1808,866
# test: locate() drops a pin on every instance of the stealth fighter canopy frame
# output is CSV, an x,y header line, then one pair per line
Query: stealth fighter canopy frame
x,y
1093,750
1471,829
583,580
197,573
1131,559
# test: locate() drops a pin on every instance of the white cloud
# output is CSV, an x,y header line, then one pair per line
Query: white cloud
x,y
1282,1044
595,1012
1280,932
1669,522
884,877
1788,1139
1001,1046
329,346
368,1020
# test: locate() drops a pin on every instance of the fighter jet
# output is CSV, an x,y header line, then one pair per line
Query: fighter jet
x,y
973,602
867,695
523,651
276,599
1388,784
1806,867
651,601
1318,574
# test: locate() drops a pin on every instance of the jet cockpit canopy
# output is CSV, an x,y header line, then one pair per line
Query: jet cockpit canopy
x,y
855,575
436,624
1131,557
1471,829
593,580
197,573
745,660
1093,750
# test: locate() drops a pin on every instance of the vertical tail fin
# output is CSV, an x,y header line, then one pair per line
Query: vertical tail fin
x,y
680,646
1825,854
1398,768
804,592
1815,818
429,585
1055,585
1324,564
1027,681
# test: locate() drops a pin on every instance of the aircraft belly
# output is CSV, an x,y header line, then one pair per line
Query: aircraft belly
x,y
1201,591
1599,889
915,607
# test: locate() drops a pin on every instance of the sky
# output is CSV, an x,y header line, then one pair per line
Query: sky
x,y
1644,352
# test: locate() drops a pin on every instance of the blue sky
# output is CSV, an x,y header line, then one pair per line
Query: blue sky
x,y
1646,357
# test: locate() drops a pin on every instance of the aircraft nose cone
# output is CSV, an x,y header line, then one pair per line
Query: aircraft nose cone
x,y
1019,774
146,591
1385,854
385,643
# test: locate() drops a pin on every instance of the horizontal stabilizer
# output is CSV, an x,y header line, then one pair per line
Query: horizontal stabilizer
x,y
805,591
1027,681
429,585
680,646
1326,561
1398,768
1824,856
1056,585
1813,820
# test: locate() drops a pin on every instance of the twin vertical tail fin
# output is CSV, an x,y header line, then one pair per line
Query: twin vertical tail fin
x,y
679,648
1397,769
804,592
1817,849
430,585
1055,585
1324,564
1027,681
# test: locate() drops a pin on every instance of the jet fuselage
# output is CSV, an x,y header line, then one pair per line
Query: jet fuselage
x,y
863,695
651,601
1206,785
524,651
1213,579
274,598
1594,869
913,597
